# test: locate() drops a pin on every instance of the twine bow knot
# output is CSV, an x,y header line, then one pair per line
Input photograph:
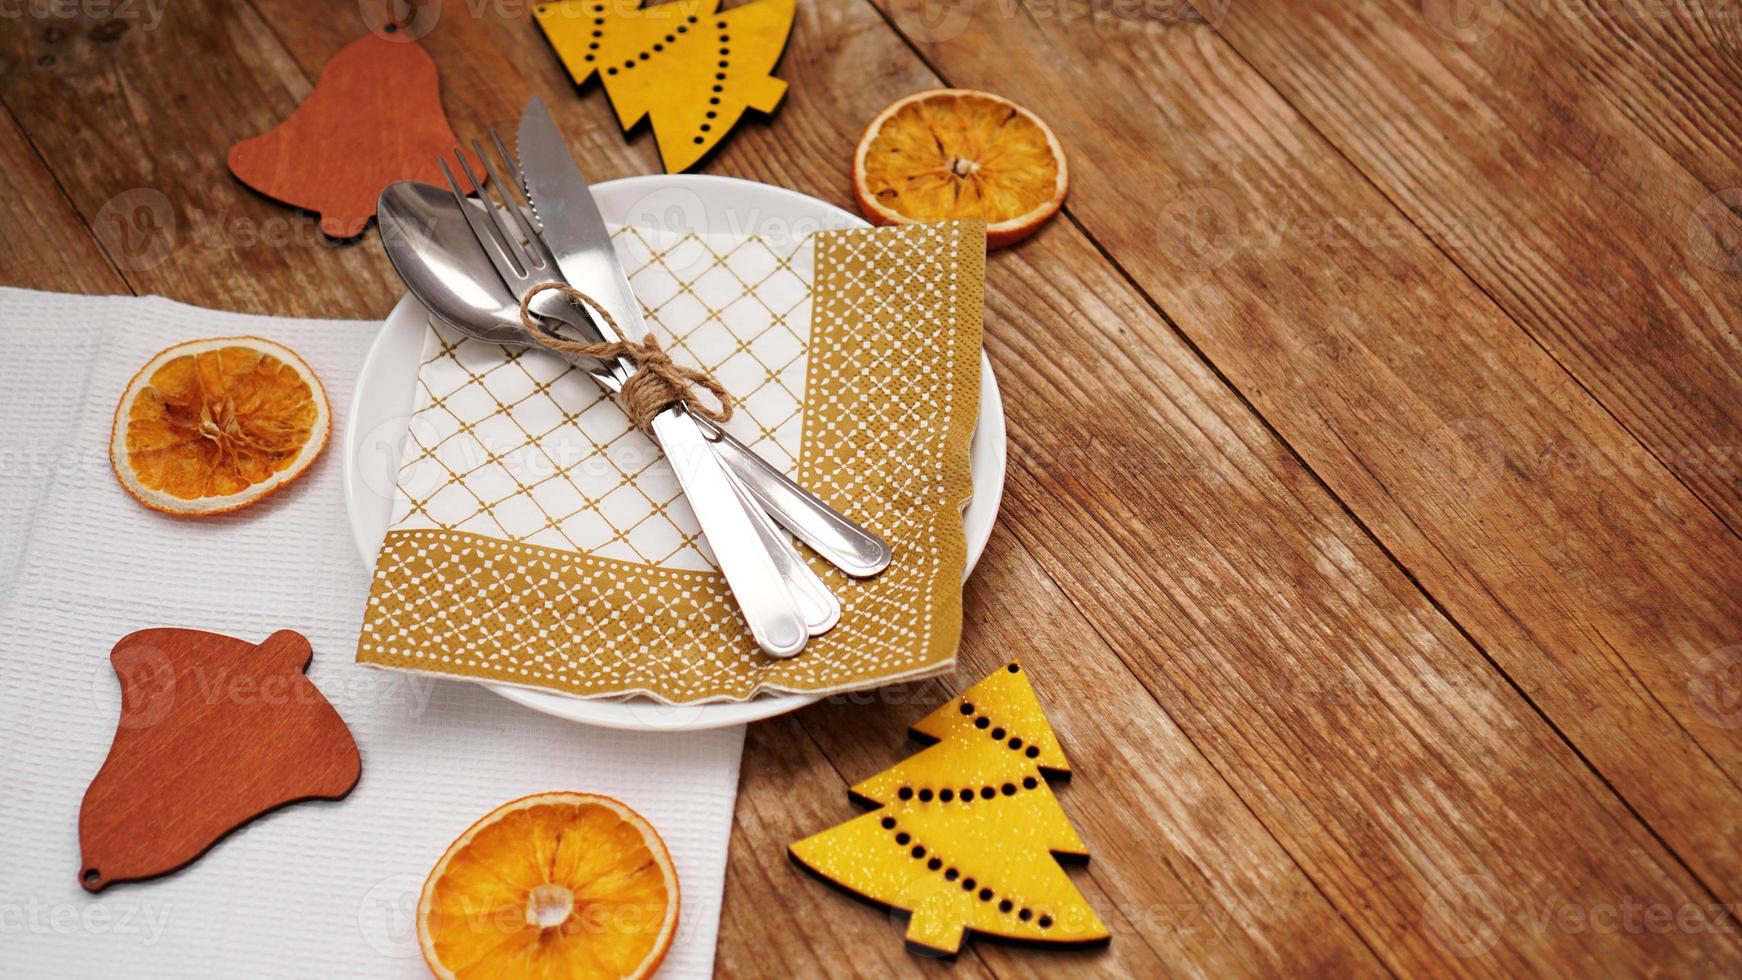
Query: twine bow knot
x,y
658,382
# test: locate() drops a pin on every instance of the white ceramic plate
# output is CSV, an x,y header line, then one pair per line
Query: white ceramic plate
x,y
380,413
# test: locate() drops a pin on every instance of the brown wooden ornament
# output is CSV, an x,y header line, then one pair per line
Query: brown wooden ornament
x,y
214,731
374,117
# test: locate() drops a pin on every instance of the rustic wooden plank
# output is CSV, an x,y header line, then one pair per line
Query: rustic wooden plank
x,y
775,917
1228,899
1608,596
1670,68
1178,864
140,124
1303,767
1506,131
1552,197
1378,746
50,247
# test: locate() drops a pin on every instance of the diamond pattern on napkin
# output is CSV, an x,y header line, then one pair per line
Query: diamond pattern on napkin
x,y
517,445
751,290
856,357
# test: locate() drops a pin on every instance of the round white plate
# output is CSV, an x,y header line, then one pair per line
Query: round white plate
x,y
380,414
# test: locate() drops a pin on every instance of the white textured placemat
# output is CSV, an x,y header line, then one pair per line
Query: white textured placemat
x,y
317,889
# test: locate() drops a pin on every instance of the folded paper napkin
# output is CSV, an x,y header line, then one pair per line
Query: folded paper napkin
x,y
318,889
539,539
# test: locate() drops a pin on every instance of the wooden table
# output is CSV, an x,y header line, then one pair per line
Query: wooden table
x,y
1375,437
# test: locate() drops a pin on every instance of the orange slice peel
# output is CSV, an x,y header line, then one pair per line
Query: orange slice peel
x,y
959,153
570,885
211,426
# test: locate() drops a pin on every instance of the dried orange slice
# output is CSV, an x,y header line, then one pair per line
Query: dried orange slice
x,y
957,153
553,885
213,425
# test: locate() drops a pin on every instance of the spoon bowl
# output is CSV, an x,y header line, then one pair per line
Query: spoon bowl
x,y
432,248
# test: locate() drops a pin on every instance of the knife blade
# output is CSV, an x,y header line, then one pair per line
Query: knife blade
x,y
573,227
575,232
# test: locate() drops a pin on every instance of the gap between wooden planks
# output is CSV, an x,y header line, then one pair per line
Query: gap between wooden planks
x,y
1603,603
133,124
1173,114
805,154
1554,198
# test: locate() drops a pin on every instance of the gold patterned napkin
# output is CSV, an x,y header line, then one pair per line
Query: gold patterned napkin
x,y
539,539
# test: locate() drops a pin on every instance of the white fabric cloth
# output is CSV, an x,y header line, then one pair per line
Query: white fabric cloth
x,y
315,889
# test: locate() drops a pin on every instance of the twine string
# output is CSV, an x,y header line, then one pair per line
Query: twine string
x,y
658,382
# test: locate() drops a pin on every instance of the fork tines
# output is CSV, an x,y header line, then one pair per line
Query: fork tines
x,y
515,236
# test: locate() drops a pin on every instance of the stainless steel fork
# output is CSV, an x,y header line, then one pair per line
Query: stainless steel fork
x,y
523,262
841,542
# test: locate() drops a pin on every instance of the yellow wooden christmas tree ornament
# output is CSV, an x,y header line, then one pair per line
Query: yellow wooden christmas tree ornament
x,y
688,66
966,833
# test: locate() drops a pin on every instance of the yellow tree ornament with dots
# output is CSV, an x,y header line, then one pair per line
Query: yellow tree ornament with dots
x,y
967,833
686,65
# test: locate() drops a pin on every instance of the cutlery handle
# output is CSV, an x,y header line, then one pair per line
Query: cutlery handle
x,y
769,609
844,544
816,604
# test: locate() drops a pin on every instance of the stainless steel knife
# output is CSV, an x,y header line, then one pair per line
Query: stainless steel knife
x,y
576,231
576,234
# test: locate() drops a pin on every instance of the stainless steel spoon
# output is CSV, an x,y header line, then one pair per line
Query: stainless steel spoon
x,y
432,247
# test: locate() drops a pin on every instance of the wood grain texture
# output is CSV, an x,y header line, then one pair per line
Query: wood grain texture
x,y
133,123
59,252
1558,202
1364,664
1605,592
1348,714
1671,69
373,117
213,732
